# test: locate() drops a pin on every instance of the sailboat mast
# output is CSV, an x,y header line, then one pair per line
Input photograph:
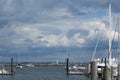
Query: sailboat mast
x,y
110,38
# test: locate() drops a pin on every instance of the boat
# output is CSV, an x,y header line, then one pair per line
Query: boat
x,y
77,69
18,61
30,65
19,66
3,71
111,62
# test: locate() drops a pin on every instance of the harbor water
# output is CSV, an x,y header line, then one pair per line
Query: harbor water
x,y
42,73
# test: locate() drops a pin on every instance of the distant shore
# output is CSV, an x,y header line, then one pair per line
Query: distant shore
x,y
36,64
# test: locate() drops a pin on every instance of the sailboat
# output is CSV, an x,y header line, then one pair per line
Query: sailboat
x,y
110,62
29,64
19,65
3,71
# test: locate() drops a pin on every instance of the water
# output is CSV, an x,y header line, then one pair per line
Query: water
x,y
42,73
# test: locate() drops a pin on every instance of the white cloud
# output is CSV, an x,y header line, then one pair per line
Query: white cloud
x,y
44,25
30,33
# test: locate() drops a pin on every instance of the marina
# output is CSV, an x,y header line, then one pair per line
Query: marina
x,y
59,40
86,70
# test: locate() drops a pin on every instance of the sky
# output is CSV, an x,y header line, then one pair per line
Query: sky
x,y
49,30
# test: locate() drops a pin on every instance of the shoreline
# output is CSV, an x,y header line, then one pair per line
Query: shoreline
x,y
6,65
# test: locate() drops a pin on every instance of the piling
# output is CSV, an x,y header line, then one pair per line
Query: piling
x,y
67,66
118,72
107,72
12,69
94,75
102,71
87,69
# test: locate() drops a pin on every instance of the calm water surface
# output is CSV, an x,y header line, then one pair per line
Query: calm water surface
x,y
42,73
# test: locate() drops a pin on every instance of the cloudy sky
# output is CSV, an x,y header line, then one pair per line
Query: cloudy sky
x,y
47,30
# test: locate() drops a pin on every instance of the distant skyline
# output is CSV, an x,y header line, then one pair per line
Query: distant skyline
x,y
47,30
